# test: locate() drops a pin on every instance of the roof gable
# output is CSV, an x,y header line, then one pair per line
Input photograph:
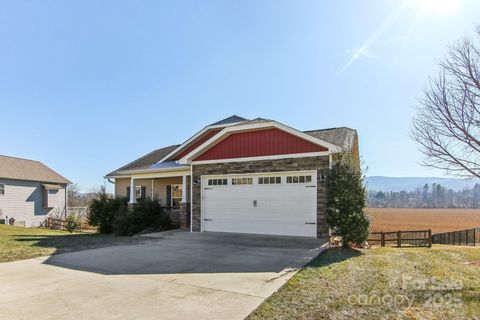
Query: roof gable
x,y
189,147
257,143
251,126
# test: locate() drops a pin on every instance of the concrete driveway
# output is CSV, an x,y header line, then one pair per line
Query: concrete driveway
x,y
171,275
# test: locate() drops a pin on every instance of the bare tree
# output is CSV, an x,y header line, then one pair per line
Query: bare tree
x,y
74,197
447,124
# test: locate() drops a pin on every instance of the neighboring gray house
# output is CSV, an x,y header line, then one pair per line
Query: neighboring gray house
x,y
30,191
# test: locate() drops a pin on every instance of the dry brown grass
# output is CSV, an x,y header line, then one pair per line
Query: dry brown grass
x,y
439,220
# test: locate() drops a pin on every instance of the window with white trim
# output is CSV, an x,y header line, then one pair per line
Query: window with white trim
x,y
240,181
217,182
299,179
140,192
2,189
176,195
269,180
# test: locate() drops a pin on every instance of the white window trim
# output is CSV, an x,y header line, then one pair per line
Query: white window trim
x,y
171,193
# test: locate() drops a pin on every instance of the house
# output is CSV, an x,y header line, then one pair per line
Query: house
x,y
238,175
30,191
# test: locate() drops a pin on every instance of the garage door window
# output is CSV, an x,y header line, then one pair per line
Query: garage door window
x,y
269,180
2,189
217,182
238,181
299,179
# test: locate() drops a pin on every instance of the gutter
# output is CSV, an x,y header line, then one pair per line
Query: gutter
x,y
125,174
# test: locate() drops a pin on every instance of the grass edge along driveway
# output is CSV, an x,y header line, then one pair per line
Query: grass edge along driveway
x,y
18,243
382,283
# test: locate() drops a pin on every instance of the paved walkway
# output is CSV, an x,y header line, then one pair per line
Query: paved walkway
x,y
172,275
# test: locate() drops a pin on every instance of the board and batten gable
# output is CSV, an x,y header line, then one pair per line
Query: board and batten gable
x,y
24,201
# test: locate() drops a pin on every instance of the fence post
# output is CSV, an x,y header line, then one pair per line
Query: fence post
x,y
399,239
429,238
382,239
474,237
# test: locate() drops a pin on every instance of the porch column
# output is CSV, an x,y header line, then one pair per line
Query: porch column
x,y
184,205
184,189
132,190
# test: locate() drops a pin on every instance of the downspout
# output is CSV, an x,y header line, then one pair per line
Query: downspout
x,y
66,200
191,198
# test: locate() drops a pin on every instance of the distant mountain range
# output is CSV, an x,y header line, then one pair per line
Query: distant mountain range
x,y
380,183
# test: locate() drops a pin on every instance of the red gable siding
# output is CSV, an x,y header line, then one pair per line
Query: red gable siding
x,y
207,135
259,143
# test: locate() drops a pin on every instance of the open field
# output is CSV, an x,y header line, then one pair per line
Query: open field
x,y
18,243
382,283
439,220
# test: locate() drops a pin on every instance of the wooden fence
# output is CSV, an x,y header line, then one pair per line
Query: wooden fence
x,y
470,237
59,224
416,238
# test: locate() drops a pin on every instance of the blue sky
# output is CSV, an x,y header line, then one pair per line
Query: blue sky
x,y
87,86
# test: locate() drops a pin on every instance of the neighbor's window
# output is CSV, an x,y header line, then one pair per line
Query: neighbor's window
x,y
269,180
2,189
237,181
217,182
299,179
176,195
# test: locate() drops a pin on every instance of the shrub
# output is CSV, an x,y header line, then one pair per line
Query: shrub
x,y
145,215
346,201
103,210
72,222
115,216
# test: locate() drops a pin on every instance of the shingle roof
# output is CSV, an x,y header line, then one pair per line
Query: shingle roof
x,y
231,119
343,137
256,120
146,161
29,170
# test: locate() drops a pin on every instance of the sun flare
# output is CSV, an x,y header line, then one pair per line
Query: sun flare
x,y
438,7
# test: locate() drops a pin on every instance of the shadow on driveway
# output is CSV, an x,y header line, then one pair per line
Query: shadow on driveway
x,y
184,252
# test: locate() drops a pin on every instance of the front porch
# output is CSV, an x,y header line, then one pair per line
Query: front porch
x,y
171,189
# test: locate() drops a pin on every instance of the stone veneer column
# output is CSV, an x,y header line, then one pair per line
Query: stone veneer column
x,y
184,215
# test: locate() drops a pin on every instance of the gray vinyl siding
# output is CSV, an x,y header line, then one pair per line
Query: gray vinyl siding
x,y
23,200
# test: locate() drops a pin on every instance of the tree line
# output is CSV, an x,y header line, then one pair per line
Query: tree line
x,y
429,196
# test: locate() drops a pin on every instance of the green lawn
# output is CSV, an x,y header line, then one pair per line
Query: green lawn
x,y
22,243
382,283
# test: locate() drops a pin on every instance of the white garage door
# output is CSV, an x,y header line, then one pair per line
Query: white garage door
x,y
277,204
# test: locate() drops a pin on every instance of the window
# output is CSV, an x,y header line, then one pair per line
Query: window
x,y
217,182
176,195
238,181
2,189
269,180
140,192
299,179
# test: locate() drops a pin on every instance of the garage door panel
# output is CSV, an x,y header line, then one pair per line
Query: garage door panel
x,y
282,209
